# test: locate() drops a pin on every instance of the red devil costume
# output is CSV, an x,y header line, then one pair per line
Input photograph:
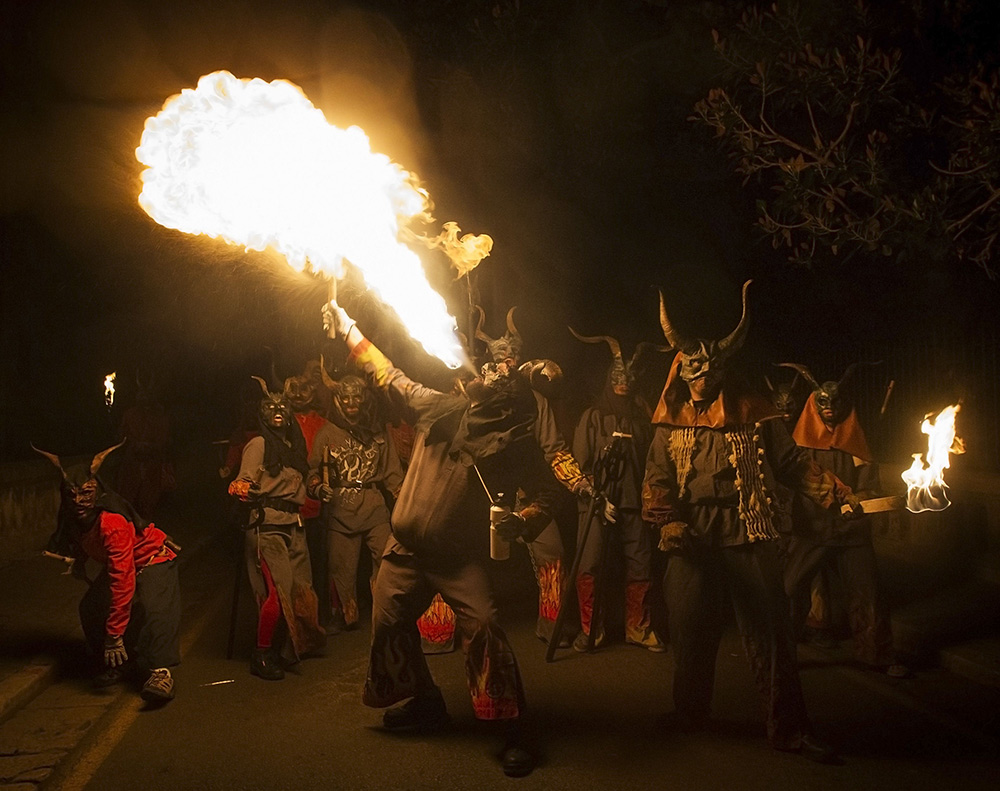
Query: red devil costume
x,y
466,451
131,612
715,455
830,433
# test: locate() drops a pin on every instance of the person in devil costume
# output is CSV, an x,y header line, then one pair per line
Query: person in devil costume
x,y
351,463
717,450
830,433
131,612
618,409
467,450
272,479
546,550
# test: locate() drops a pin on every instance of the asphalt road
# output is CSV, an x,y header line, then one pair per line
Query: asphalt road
x,y
592,719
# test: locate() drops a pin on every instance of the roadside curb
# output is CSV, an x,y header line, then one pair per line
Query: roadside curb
x,y
19,688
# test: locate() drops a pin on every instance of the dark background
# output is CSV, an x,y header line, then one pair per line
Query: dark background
x,y
559,128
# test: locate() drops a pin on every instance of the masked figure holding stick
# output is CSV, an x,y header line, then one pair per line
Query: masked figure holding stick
x,y
272,480
830,433
468,451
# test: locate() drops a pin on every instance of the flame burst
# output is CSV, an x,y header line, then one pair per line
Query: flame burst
x,y
109,389
925,486
256,164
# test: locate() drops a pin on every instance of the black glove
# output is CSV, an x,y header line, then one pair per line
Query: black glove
x,y
511,527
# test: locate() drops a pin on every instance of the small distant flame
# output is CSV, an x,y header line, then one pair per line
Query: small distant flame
x,y
256,164
925,486
109,389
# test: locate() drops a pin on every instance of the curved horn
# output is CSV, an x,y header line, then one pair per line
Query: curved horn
x,y
511,328
806,373
328,381
479,327
767,381
734,340
98,460
263,385
673,337
51,457
616,350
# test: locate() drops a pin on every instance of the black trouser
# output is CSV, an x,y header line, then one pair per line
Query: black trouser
x,y
698,585
857,570
152,637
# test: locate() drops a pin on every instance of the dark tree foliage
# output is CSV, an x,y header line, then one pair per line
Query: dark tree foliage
x,y
864,131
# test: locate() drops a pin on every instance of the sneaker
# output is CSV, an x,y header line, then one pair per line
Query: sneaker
x,y
582,641
647,639
425,712
108,677
159,687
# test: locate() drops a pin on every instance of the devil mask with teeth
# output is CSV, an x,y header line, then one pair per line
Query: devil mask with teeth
x,y
695,393
83,496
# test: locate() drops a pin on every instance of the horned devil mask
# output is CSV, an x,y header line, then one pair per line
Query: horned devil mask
x,y
79,481
703,362
832,398
622,376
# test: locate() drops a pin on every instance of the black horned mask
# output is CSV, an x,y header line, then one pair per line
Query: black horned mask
x,y
507,346
275,410
352,400
300,392
785,399
622,375
80,485
832,398
704,361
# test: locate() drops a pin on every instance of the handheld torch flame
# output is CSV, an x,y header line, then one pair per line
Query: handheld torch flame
x,y
109,389
925,486
256,164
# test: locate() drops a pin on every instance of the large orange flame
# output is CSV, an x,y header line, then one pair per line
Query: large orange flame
x,y
256,164
925,486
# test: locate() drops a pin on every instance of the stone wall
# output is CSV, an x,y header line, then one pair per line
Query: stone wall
x,y
29,504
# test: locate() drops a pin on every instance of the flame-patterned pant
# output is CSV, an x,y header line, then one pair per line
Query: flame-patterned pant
x,y
631,538
397,669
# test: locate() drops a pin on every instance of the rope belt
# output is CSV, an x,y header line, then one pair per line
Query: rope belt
x,y
356,485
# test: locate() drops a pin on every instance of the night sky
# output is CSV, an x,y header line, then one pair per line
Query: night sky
x,y
559,128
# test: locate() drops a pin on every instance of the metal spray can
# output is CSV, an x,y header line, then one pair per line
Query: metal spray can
x,y
499,547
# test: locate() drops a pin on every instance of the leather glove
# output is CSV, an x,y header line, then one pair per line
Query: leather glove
x,y
115,654
673,535
610,512
511,527
336,322
323,492
584,489
856,509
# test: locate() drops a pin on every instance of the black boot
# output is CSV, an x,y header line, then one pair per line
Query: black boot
x,y
266,664
425,712
516,760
